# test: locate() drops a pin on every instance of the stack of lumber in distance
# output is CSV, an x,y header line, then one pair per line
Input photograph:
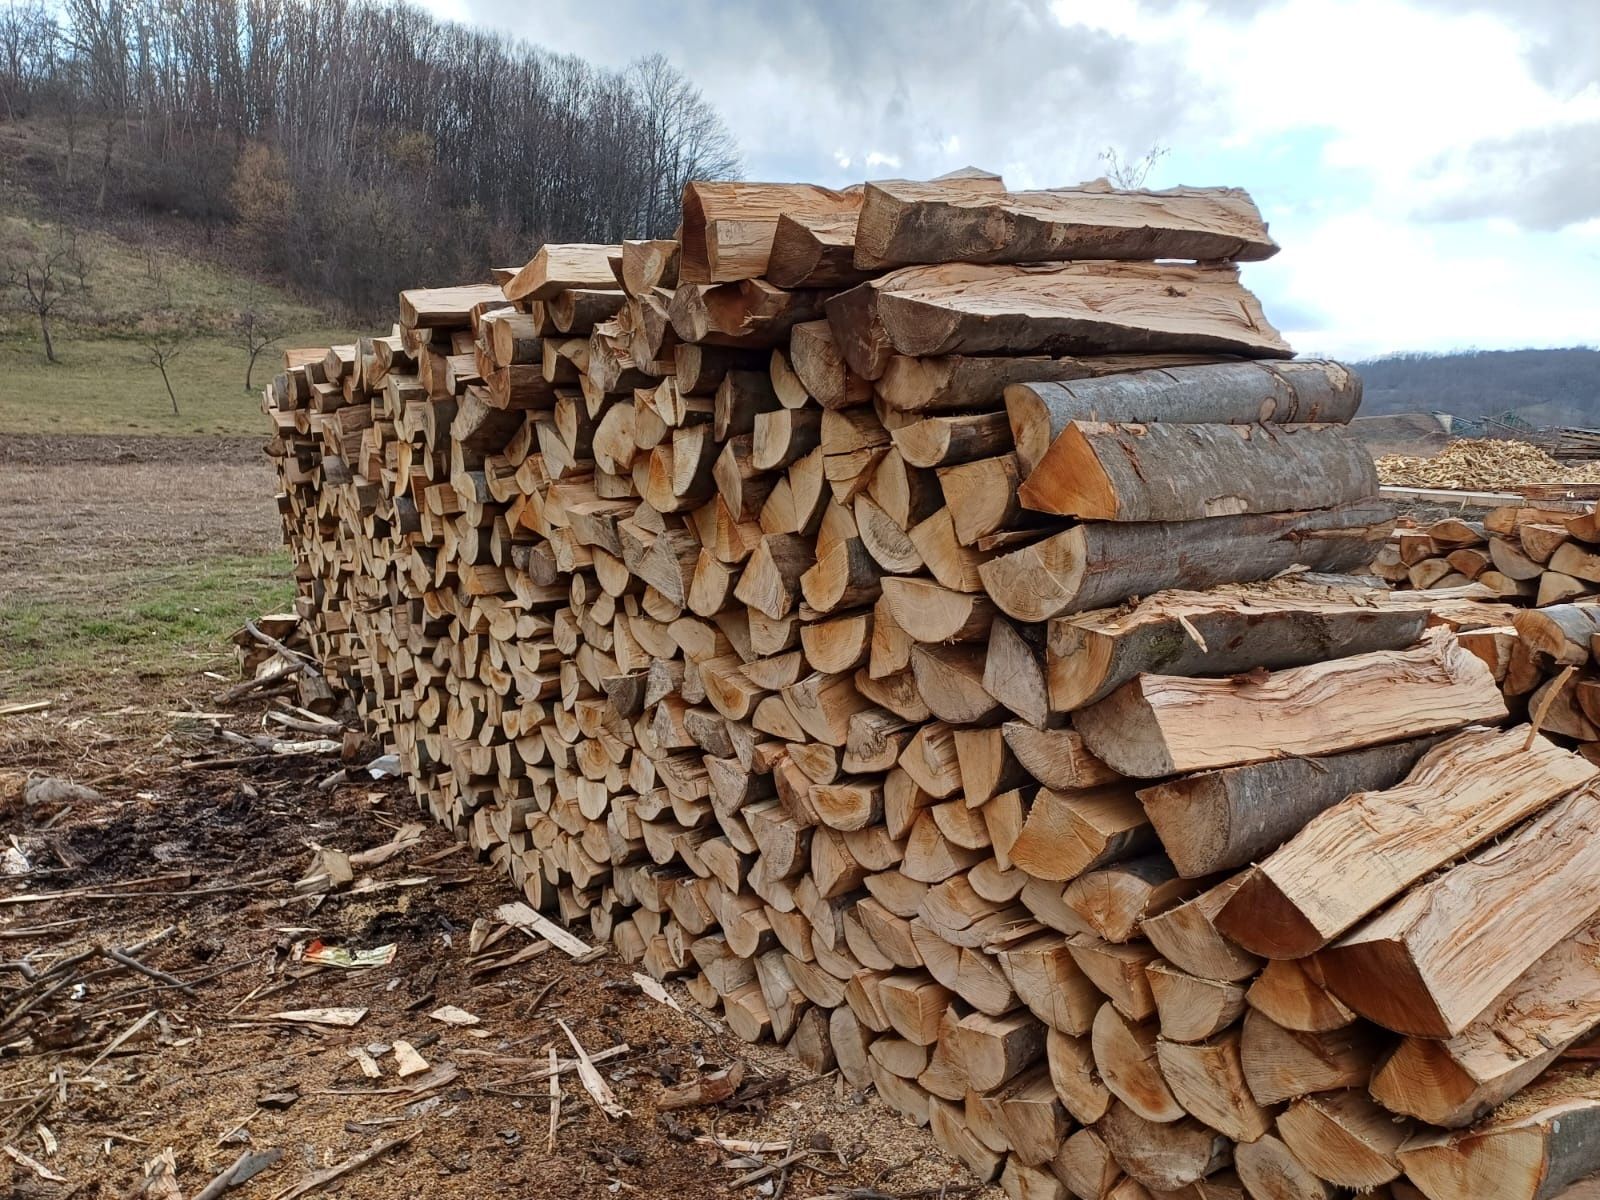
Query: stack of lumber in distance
x,y
1526,555
943,659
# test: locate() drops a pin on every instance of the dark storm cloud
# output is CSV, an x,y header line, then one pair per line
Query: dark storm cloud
x,y
803,83
1545,179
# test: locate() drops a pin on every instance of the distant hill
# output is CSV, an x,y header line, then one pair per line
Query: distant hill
x,y
1542,387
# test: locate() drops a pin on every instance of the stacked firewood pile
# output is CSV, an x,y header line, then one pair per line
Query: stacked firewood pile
x,y
917,618
1520,554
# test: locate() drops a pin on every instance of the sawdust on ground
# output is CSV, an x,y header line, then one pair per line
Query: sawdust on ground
x,y
212,1075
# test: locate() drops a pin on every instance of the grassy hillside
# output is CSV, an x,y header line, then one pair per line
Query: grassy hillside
x,y
104,382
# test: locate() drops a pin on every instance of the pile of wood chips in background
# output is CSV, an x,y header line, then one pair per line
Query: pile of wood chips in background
x,y
862,609
1483,465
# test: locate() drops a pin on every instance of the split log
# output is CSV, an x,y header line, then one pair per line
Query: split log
x,y
1283,623
1368,849
1539,1145
1455,1081
555,268
1440,956
1162,1156
1159,725
1270,1171
1344,1138
1100,565
1284,1064
1162,472
728,227
1207,1078
1217,820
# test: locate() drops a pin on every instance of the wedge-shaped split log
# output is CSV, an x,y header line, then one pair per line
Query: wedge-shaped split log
x,y
1434,961
1159,725
1368,849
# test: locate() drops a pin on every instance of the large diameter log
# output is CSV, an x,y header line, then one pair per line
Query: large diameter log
x,y
1216,820
1067,308
1160,725
728,227
1101,564
1440,956
1546,1140
904,222
1228,393
1283,623
1368,849
1161,472
1455,1081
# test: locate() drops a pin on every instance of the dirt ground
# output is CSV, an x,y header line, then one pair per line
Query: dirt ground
x,y
188,860
75,507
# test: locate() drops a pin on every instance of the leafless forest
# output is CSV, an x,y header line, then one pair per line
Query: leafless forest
x,y
358,147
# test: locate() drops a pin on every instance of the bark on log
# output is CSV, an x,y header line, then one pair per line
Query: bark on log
x,y
1282,623
1101,564
1228,393
1218,820
1162,472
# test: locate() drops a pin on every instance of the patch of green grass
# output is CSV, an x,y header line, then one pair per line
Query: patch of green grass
x,y
107,385
140,622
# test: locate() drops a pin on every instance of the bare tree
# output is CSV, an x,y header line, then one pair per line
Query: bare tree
x,y
46,279
1131,173
255,333
163,342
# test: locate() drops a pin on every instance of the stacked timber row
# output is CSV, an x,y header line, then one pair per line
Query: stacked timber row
x,y
1524,555
918,618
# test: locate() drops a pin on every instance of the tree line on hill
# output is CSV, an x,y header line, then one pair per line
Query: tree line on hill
x,y
353,146
1541,387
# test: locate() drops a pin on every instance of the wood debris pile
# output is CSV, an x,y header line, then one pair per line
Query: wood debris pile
x,y
770,600
1483,465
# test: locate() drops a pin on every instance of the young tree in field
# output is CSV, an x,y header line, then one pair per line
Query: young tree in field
x,y
1131,173
165,335
46,278
255,333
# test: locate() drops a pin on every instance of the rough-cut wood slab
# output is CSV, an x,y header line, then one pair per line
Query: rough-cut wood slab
x,y
1533,1149
1455,1081
904,222
1285,622
1069,308
728,227
1440,956
1161,472
1226,393
1368,849
556,267
447,307
1160,725
1101,564
1217,820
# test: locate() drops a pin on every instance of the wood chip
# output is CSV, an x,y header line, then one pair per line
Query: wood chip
x,y
368,1064
411,1063
33,1164
599,1091
655,991
449,1014
531,921
319,1179
340,1018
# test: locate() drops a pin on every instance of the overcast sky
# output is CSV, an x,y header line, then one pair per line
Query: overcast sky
x,y
1431,167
